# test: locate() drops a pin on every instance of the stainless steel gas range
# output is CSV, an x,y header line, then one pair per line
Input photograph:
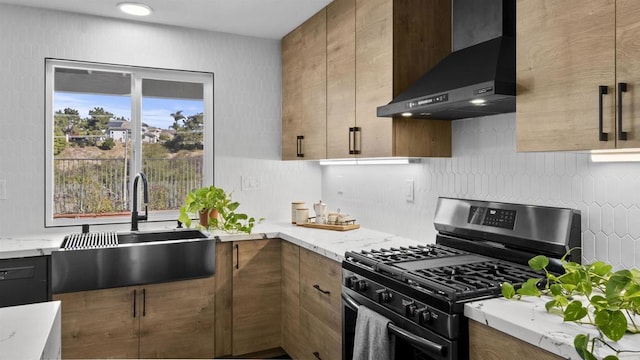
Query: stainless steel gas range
x,y
422,290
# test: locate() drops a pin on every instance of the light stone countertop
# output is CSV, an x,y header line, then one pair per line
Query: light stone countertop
x,y
30,331
529,321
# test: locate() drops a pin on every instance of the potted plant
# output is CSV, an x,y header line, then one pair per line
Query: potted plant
x,y
588,294
216,210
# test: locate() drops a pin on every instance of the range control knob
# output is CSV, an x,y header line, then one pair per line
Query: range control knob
x,y
424,316
384,296
362,285
410,309
350,282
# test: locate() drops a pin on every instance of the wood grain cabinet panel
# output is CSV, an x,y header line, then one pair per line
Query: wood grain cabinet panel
x,y
486,343
304,82
567,51
168,320
320,305
291,337
99,323
256,296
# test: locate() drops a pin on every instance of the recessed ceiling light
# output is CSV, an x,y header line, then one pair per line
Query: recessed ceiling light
x,y
406,114
136,9
478,101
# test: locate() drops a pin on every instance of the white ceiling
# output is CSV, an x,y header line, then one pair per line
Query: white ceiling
x,y
261,18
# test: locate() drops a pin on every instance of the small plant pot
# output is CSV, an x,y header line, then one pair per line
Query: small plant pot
x,y
207,214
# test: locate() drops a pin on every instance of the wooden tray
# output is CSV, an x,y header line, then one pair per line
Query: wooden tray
x,y
331,227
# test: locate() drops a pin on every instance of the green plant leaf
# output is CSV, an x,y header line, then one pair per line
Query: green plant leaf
x,y
538,262
598,302
530,288
600,268
581,343
613,324
507,290
550,304
610,357
617,283
556,289
575,311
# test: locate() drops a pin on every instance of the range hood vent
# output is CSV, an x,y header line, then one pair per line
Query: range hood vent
x,y
477,79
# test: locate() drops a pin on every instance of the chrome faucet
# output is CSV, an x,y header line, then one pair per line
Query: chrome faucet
x,y
134,212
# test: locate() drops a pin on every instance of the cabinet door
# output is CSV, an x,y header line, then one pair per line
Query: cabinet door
x,y
100,323
488,343
374,75
256,296
314,86
320,303
341,77
291,339
291,94
177,319
628,68
565,51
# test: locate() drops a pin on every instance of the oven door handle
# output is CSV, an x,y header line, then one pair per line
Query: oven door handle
x,y
422,343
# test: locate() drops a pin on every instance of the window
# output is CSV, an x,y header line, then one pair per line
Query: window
x,y
105,123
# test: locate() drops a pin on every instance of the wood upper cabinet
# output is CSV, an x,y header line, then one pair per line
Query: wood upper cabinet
x,y
488,343
152,321
567,51
256,296
304,93
320,306
374,50
396,42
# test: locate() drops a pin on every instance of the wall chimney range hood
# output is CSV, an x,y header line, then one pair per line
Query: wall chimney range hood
x,y
477,78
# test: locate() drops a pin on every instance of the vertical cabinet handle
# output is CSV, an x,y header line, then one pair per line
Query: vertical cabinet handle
x,y
352,140
622,88
603,90
299,140
135,297
357,144
237,256
144,302
317,355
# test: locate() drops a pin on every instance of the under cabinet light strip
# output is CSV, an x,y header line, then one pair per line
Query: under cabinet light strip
x,y
380,161
617,155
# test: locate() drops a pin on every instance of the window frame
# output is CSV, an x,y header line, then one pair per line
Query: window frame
x,y
138,73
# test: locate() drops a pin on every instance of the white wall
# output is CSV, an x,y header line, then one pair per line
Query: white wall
x,y
485,166
247,104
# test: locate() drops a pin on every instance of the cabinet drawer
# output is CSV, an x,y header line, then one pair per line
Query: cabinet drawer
x,y
320,341
320,288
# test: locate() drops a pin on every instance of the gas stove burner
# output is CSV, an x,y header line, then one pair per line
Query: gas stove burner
x,y
420,252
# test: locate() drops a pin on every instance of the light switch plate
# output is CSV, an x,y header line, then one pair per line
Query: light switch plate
x,y
408,190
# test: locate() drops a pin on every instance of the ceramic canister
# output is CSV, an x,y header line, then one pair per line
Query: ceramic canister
x,y
295,206
302,216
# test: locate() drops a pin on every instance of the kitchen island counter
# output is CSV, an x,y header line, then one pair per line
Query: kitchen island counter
x,y
30,331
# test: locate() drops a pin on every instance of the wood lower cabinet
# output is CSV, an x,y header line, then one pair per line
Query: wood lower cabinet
x,y
100,323
152,321
486,343
567,51
291,336
320,306
256,296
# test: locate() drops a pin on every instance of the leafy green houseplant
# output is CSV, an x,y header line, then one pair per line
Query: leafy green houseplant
x,y
216,210
587,294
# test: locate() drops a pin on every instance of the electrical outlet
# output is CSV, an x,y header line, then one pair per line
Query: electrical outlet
x,y
408,190
250,183
3,189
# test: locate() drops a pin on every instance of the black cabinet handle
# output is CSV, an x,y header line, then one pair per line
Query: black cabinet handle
x,y
237,256
603,90
135,297
144,302
622,88
357,144
352,140
326,292
317,355
299,152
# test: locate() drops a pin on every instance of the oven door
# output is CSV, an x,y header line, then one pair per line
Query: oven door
x,y
411,341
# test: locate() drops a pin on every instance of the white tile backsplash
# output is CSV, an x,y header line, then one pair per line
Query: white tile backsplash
x,y
486,166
